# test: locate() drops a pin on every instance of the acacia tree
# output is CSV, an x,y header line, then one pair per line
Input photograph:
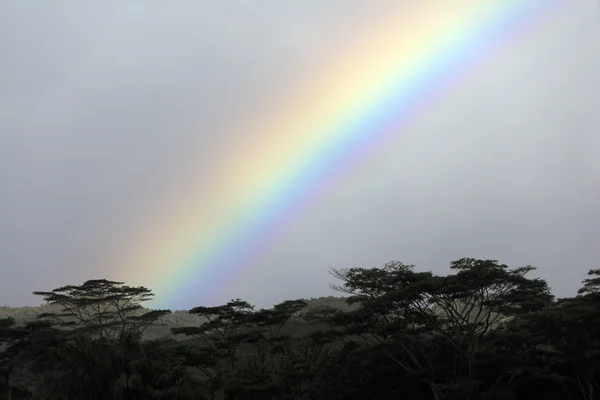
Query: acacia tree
x,y
238,349
271,321
571,328
399,305
223,333
101,308
102,354
591,285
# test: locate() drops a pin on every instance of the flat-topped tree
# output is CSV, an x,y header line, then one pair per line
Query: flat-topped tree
x,y
225,330
273,320
398,303
101,308
591,285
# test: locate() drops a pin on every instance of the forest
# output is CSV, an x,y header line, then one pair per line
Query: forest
x,y
484,331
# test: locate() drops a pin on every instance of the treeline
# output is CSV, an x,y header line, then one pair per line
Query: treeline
x,y
482,332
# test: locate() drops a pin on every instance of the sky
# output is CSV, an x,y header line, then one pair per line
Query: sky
x,y
117,120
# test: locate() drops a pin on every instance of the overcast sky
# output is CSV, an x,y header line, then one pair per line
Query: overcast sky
x,y
106,108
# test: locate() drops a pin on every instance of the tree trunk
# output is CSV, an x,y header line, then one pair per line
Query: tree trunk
x,y
435,390
8,378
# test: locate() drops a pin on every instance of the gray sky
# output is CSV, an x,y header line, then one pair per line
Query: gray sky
x,y
106,108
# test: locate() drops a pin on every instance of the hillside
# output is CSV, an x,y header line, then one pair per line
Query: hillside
x,y
179,318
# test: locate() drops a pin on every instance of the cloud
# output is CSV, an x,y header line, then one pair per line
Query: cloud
x,y
106,108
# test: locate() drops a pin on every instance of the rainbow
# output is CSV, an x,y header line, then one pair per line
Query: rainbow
x,y
388,73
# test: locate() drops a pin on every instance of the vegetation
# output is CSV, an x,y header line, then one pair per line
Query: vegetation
x,y
482,332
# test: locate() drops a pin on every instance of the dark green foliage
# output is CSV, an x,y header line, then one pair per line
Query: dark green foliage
x,y
407,311
483,332
100,308
125,368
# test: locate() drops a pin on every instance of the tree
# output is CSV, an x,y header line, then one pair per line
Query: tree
x,y
225,331
591,285
239,350
101,308
22,346
123,369
483,332
571,327
401,305
101,353
273,320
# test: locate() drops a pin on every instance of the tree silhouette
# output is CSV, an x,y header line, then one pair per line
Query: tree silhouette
x,y
482,332
101,308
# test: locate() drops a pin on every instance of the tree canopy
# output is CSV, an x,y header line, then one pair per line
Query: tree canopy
x,y
484,331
